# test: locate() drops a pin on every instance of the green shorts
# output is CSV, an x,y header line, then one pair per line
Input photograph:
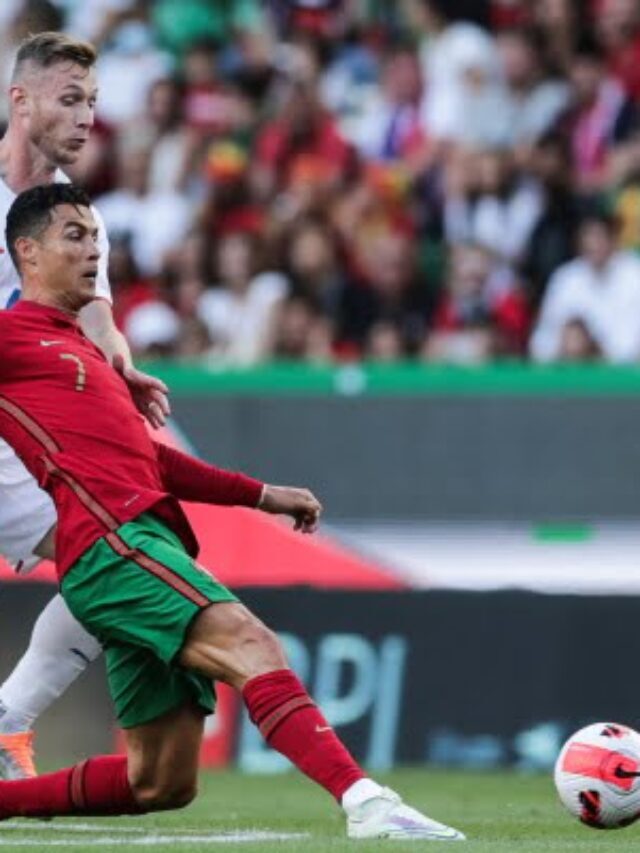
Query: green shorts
x,y
138,591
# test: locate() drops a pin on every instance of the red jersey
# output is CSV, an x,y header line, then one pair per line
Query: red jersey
x,y
71,419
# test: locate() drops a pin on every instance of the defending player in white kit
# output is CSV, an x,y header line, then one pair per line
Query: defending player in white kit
x,y
52,97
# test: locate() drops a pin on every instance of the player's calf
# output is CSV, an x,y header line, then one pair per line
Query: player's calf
x,y
163,759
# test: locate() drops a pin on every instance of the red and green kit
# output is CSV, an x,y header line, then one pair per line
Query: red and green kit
x,y
124,548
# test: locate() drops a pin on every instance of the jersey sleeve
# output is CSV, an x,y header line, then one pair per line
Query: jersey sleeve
x,y
103,288
190,479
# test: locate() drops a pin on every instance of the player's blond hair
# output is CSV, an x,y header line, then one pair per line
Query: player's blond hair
x,y
46,49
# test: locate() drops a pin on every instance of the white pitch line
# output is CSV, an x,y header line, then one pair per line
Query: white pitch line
x,y
243,837
34,825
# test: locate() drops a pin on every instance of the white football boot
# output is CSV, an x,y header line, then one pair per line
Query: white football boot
x,y
386,816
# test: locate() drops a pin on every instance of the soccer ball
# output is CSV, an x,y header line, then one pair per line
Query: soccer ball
x,y
597,775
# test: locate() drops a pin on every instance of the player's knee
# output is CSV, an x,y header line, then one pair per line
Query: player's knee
x,y
268,652
165,796
274,651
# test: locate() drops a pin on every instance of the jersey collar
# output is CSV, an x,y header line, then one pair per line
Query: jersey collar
x,y
36,309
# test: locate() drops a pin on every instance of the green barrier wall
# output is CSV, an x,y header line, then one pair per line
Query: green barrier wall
x,y
403,378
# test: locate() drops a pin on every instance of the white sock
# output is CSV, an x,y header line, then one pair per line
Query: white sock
x,y
59,651
13,721
359,792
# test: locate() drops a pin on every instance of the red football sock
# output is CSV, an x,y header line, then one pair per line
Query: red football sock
x,y
291,723
98,786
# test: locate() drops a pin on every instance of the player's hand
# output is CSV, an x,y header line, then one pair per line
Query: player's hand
x,y
300,504
149,394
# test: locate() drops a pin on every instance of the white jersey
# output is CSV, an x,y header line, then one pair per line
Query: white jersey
x,y
26,512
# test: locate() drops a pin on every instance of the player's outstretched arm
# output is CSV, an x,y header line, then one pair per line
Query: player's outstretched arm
x,y
149,394
191,479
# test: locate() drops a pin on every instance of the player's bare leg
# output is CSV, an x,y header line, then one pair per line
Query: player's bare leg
x,y
162,759
228,643
59,651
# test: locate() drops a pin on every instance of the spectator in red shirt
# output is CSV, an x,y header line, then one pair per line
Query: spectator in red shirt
x,y
302,137
206,104
618,30
482,311
130,289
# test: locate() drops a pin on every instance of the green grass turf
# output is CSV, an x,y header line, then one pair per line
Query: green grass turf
x,y
500,812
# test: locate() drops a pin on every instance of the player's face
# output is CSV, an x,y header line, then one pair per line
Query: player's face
x,y
58,109
65,257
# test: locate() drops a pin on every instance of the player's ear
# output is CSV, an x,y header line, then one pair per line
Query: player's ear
x,y
25,249
19,100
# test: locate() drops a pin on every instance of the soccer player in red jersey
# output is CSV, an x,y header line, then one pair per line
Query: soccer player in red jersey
x,y
125,558
51,100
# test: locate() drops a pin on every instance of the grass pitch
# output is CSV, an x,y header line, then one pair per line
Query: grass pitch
x,y
499,812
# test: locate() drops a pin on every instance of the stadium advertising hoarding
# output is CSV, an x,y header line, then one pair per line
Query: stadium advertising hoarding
x,y
453,678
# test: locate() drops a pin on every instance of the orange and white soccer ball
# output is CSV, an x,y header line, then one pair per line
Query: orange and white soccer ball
x,y
597,775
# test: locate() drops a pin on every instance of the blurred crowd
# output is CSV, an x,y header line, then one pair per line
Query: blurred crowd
x,y
445,180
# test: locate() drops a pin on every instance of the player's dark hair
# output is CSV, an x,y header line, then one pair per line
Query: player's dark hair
x,y
45,49
30,213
